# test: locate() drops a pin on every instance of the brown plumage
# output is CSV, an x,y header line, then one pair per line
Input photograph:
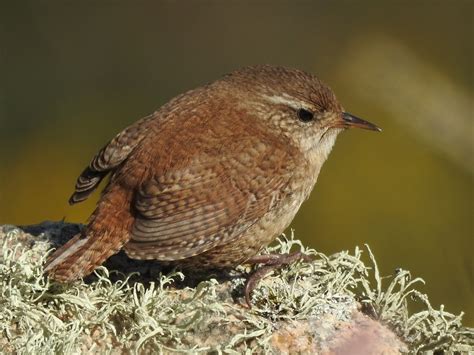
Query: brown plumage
x,y
210,178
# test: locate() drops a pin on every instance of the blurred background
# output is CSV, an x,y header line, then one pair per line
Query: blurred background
x,y
73,74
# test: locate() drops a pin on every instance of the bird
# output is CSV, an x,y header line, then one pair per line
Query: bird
x,y
210,178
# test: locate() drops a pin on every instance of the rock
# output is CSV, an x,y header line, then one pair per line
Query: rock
x,y
306,308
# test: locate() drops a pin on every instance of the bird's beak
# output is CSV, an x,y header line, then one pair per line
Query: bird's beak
x,y
349,120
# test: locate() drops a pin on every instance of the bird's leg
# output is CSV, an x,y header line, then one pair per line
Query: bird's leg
x,y
270,262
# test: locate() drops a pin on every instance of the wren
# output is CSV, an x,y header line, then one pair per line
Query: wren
x,y
212,177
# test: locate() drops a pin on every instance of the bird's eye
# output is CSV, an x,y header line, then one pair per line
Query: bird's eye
x,y
305,115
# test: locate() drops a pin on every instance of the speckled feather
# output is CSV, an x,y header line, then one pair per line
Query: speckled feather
x,y
209,179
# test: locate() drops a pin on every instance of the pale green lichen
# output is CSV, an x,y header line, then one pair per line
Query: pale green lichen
x,y
428,329
42,317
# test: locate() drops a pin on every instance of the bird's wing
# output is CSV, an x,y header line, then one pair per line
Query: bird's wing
x,y
109,157
209,202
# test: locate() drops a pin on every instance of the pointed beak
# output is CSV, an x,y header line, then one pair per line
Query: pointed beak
x,y
353,121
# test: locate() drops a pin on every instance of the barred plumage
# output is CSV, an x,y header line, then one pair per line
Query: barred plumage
x,y
209,179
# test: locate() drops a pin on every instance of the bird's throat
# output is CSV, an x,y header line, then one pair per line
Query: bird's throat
x,y
320,151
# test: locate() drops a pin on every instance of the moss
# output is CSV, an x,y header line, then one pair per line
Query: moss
x,y
126,314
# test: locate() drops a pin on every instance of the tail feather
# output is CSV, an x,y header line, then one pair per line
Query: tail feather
x,y
65,251
106,233
80,256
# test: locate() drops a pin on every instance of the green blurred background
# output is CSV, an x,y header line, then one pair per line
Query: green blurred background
x,y
72,75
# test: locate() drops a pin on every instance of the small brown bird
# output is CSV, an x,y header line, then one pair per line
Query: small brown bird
x,y
212,177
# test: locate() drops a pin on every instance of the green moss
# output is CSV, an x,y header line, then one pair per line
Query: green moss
x,y
40,316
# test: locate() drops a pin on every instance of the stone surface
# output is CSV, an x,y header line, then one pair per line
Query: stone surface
x,y
338,329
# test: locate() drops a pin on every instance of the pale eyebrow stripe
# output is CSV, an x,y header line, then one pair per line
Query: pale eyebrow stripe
x,y
285,100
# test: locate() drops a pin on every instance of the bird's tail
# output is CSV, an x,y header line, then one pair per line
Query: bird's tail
x,y
106,233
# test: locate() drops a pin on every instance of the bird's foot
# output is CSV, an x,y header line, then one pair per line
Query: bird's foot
x,y
270,262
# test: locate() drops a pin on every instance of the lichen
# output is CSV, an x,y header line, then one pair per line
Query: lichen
x,y
123,314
